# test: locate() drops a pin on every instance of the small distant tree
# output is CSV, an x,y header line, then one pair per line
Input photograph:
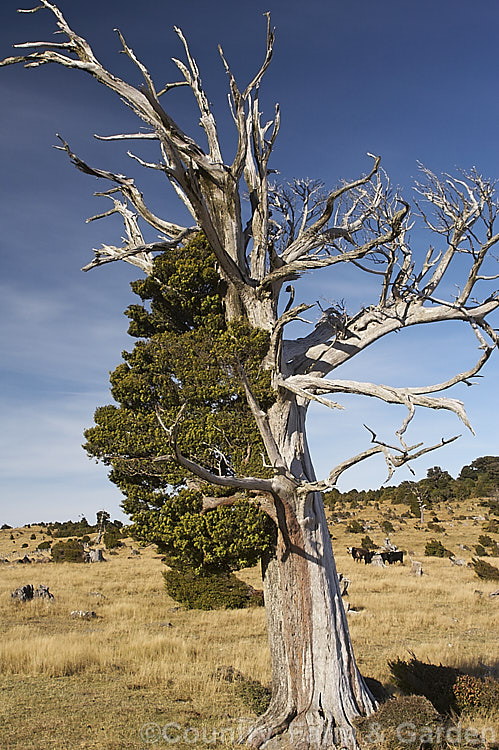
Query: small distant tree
x,y
285,231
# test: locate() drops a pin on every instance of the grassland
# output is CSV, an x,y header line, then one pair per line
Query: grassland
x,y
68,683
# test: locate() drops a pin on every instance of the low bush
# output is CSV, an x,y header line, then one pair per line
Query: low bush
x,y
387,527
480,551
421,678
355,527
70,551
368,543
484,570
44,545
476,693
404,722
112,538
212,591
435,548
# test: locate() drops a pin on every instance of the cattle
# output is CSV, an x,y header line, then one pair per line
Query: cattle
x,y
361,553
392,556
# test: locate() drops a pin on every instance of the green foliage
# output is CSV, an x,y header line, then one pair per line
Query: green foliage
x,y
33,536
480,551
5,526
476,693
23,546
355,527
186,355
368,543
435,548
44,545
479,479
421,678
251,692
484,570
209,591
70,551
70,528
225,539
387,527
112,538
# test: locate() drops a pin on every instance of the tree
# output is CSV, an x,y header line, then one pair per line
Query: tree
x,y
284,232
186,353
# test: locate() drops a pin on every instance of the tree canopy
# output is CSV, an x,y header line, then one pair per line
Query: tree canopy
x,y
186,353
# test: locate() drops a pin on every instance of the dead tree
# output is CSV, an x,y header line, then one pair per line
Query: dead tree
x,y
317,688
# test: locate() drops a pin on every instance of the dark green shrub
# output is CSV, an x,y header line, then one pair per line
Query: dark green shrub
x,y
355,527
435,548
421,678
112,539
251,692
485,570
490,527
70,551
404,722
23,546
85,539
368,543
6,526
12,536
433,526
44,545
480,551
476,693
486,541
33,536
212,591
387,527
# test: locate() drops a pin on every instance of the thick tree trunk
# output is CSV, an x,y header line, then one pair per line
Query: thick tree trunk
x,y
317,689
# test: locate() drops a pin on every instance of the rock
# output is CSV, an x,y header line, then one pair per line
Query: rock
x,y
416,568
96,593
23,593
457,561
134,552
42,592
83,614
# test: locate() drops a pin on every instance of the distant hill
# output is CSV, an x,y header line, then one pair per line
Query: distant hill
x,y
480,479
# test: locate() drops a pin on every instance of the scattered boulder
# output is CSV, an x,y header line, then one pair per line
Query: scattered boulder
x,y
23,593
28,592
134,552
83,614
457,561
96,593
416,568
24,560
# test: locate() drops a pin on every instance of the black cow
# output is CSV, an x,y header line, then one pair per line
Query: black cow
x,y
361,553
392,556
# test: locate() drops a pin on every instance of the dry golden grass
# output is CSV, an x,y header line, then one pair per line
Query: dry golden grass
x,y
75,683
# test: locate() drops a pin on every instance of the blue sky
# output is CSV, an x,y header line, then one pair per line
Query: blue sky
x,y
409,81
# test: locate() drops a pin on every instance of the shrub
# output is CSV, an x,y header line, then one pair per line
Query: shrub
x,y
23,546
6,526
85,539
485,570
368,543
212,591
112,539
251,692
433,526
480,551
403,722
355,527
421,678
490,527
44,545
476,693
435,548
70,551
33,536
387,527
